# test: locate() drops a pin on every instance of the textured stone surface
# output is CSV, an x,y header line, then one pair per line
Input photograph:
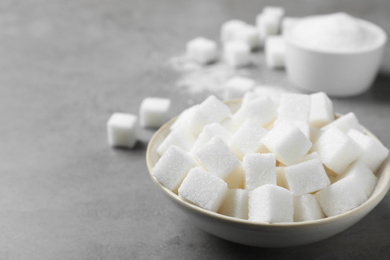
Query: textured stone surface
x,y
66,66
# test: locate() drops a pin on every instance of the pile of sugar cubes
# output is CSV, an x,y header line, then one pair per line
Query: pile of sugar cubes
x,y
122,127
273,159
239,39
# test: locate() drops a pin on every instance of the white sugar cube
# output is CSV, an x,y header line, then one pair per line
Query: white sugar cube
x,y
248,35
202,50
275,52
247,139
294,107
179,137
272,92
340,197
321,110
287,142
209,131
154,112
203,189
237,86
218,159
363,176
336,150
235,204
230,29
172,167
185,117
280,177
237,54
259,169
306,177
373,152
315,134
345,123
261,110
270,203
303,126
121,130
309,157
209,111
268,22
306,208
288,23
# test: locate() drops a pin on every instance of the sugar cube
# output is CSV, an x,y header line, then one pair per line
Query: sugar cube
x,y
373,152
270,203
218,159
172,167
306,177
303,126
287,142
288,23
321,110
248,35
294,107
306,208
315,133
247,139
262,110
237,54
237,86
121,130
340,197
179,137
363,176
259,169
268,22
184,118
336,150
230,29
202,50
203,189
235,204
209,131
309,157
154,112
345,123
275,52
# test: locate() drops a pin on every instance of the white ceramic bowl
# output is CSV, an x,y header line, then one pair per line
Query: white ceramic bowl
x,y
337,73
262,234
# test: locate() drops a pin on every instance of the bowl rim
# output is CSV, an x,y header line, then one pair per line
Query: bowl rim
x,y
378,194
382,39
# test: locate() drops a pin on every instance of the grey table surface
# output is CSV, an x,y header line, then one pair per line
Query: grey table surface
x,y
66,66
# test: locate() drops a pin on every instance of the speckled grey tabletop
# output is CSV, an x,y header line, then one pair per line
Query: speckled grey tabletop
x,y
65,66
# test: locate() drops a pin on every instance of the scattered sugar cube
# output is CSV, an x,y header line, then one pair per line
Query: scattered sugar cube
x,y
268,22
270,203
209,111
306,177
237,54
230,29
373,152
185,117
121,130
248,35
154,112
363,176
275,52
287,142
294,107
340,197
259,169
172,167
280,177
321,110
345,123
202,50
306,208
288,23
179,137
261,110
237,86
218,159
247,139
235,204
209,131
203,189
336,150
